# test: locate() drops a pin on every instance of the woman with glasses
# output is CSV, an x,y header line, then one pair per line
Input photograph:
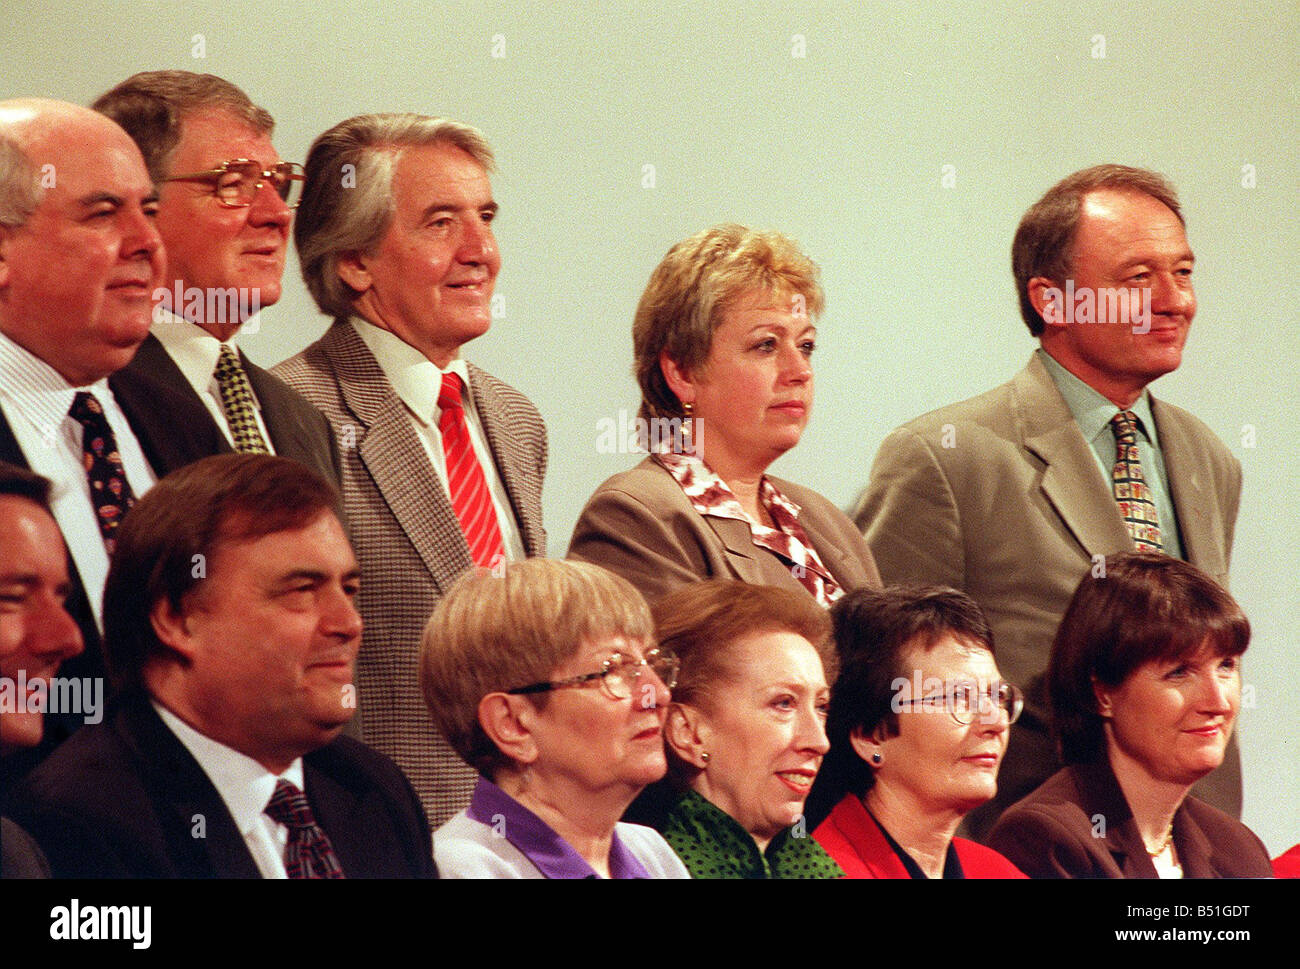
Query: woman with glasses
x,y
545,678
918,726
745,734
1144,682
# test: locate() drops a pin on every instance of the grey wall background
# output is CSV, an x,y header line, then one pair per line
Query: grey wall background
x,y
834,123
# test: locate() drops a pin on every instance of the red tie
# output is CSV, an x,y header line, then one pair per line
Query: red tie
x,y
470,498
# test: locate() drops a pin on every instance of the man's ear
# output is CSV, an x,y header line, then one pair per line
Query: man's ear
x,y
1048,300
869,746
679,380
352,268
686,731
508,720
6,237
172,627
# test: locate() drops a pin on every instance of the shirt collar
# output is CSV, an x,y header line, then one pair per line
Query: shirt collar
x,y
40,393
415,378
553,856
244,785
194,349
1091,410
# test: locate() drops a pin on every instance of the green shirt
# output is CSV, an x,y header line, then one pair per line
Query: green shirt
x,y
712,845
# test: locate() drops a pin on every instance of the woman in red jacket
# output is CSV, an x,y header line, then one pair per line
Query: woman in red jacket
x,y
918,726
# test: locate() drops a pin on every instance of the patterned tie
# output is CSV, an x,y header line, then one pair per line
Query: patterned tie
x,y
237,402
309,853
1130,485
470,498
110,492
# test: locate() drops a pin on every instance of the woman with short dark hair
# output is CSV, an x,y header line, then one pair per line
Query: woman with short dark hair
x,y
1144,683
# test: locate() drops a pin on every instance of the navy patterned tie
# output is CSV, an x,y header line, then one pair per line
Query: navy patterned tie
x,y
110,492
1130,486
309,853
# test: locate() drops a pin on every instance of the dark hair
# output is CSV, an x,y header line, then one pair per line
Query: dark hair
x,y
21,483
1044,242
153,105
703,621
1142,607
875,631
167,541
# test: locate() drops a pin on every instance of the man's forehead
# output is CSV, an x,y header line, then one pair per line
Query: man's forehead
x,y
218,135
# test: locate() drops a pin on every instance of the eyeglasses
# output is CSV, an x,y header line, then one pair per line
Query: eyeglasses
x,y
618,675
236,183
966,701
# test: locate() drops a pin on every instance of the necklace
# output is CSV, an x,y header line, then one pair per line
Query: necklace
x,y
1164,844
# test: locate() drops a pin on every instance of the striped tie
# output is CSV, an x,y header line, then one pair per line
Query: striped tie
x,y
1130,486
470,498
309,853
237,402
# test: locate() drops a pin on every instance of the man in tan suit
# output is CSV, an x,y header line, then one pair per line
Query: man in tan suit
x,y
1010,496
442,463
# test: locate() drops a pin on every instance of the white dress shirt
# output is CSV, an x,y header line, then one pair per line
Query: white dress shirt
x,y
246,788
194,350
417,382
36,400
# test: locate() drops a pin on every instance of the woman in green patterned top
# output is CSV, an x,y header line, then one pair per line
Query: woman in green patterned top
x,y
745,734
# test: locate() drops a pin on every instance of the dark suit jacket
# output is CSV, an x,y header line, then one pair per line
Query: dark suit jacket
x,y
156,414
408,539
20,857
297,429
852,837
124,799
1078,825
640,525
1000,496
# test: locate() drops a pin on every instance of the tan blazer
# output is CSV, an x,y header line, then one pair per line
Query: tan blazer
x,y
408,540
640,525
1001,496
1079,825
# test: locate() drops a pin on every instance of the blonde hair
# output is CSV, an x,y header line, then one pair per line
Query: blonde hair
x,y
696,283
495,631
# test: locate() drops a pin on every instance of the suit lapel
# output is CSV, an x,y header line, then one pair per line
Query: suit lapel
x,y
1194,504
199,833
1098,787
491,413
1071,482
737,538
395,459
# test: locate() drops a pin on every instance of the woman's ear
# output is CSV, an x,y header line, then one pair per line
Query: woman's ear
x,y
507,720
678,378
1102,694
685,731
869,746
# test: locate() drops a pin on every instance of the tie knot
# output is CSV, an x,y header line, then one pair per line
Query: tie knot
x,y
228,361
86,407
289,806
449,396
1124,424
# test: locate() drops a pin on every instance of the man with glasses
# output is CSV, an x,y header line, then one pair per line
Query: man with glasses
x,y
225,199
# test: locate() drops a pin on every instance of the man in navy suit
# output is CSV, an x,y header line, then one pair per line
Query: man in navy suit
x,y
225,199
231,634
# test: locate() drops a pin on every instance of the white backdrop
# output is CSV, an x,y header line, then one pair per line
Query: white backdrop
x,y
898,141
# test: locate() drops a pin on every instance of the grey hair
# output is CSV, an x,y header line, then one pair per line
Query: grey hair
x,y
347,203
20,188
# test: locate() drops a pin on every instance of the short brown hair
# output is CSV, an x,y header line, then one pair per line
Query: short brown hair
x,y
497,630
347,200
173,532
695,284
1145,607
1044,242
702,623
152,106
18,482
875,633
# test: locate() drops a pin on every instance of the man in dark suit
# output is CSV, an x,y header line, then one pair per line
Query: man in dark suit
x,y
224,204
442,463
79,260
231,633
1014,495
